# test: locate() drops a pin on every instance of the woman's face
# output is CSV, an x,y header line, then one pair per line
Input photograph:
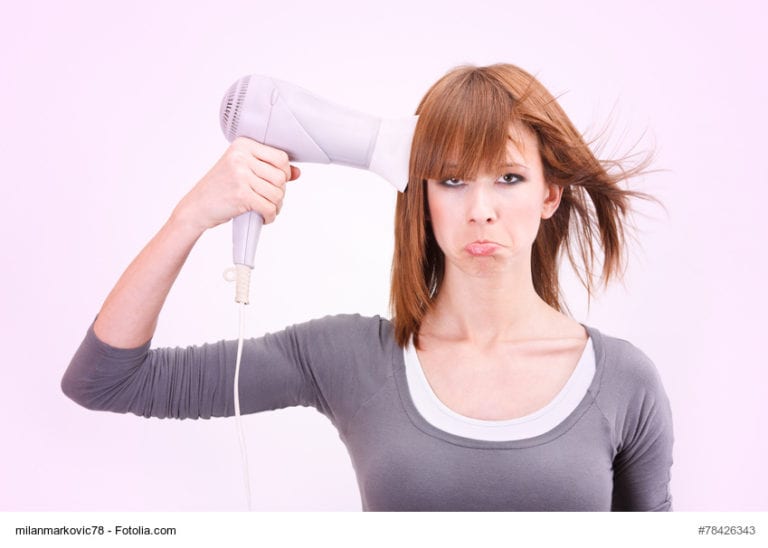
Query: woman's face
x,y
488,225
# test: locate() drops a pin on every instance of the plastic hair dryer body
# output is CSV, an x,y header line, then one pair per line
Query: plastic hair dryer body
x,y
310,129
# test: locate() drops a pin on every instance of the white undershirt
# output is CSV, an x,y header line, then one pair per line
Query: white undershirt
x,y
439,415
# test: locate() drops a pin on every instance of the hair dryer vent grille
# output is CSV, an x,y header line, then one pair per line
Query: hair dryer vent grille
x,y
231,106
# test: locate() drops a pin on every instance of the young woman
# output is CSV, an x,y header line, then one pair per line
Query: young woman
x,y
480,393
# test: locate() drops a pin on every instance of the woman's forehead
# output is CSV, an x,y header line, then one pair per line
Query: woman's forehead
x,y
523,149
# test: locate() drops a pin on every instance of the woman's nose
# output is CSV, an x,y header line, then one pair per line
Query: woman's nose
x,y
481,207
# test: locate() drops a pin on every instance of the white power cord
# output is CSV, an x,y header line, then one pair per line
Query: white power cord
x,y
242,278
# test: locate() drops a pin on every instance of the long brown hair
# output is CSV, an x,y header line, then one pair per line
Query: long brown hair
x,y
465,117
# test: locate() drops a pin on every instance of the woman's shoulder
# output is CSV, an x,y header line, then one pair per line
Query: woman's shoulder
x,y
353,353
624,366
350,321
629,392
348,330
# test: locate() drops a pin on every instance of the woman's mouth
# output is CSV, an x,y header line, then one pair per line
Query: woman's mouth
x,y
482,248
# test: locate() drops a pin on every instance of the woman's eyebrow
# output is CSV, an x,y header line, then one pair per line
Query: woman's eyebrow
x,y
508,164
451,167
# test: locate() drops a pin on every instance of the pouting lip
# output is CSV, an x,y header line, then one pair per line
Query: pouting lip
x,y
482,248
484,242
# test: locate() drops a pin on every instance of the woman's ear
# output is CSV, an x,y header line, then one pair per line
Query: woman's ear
x,y
552,197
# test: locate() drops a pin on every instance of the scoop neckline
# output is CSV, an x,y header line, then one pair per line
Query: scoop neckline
x,y
561,428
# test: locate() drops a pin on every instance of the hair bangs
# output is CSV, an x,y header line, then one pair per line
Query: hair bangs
x,y
463,127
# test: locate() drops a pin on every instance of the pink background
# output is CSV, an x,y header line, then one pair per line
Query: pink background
x,y
110,114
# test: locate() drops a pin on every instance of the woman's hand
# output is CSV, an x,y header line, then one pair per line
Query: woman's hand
x,y
249,176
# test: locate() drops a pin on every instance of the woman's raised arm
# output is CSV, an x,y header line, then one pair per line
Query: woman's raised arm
x,y
248,177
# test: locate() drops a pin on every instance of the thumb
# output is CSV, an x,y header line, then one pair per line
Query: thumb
x,y
295,173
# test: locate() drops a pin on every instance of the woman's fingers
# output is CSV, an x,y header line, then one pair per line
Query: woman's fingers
x,y
267,154
269,179
249,176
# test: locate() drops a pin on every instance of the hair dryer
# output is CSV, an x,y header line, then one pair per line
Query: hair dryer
x,y
308,129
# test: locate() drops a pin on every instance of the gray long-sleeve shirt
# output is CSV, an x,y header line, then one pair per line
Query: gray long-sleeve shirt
x,y
613,452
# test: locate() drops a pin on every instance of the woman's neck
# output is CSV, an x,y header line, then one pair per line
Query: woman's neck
x,y
485,309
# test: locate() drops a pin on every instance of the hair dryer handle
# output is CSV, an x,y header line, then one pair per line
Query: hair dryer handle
x,y
245,237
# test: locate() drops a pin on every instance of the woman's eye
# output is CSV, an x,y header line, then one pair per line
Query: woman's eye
x,y
453,181
510,178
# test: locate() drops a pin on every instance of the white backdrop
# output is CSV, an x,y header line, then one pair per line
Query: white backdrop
x,y
110,115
